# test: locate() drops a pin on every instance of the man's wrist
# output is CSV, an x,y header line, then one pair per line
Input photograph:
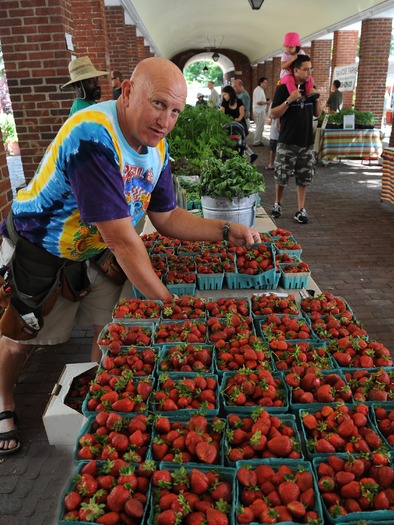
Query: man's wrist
x,y
226,230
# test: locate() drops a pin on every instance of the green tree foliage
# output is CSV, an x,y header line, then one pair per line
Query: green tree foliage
x,y
195,73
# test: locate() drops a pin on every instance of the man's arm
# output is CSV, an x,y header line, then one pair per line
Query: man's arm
x,y
182,224
279,107
130,252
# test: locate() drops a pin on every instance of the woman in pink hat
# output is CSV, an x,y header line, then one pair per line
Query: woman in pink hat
x,y
292,45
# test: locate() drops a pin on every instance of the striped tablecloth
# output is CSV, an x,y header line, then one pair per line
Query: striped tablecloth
x,y
387,193
350,144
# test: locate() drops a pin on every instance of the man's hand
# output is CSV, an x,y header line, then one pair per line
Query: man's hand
x,y
243,235
294,95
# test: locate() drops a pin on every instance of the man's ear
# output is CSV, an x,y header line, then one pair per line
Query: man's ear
x,y
127,89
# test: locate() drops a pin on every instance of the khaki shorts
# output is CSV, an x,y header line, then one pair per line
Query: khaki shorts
x,y
94,309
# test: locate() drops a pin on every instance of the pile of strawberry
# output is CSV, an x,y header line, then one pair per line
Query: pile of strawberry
x,y
119,393
181,263
371,385
273,494
78,390
340,429
111,436
178,392
208,263
285,258
183,307
224,330
359,352
287,243
356,483
265,237
198,440
116,335
300,356
313,385
187,357
136,309
190,496
270,303
335,327
178,277
261,435
167,242
280,232
189,247
159,265
228,305
299,267
186,331
385,421
149,239
324,303
250,388
220,248
255,260
140,361
250,352
284,327
108,493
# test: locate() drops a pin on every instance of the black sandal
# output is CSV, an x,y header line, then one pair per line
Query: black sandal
x,y
10,435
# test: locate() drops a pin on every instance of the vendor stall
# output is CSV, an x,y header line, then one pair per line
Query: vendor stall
x,y
387,193
350,144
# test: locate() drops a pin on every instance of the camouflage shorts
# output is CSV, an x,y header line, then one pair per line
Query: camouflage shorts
x,y
294,160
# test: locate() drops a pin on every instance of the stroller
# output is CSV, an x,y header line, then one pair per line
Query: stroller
x,y
237,135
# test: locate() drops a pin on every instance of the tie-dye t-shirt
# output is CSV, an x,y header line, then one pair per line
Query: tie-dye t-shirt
x,y
90,174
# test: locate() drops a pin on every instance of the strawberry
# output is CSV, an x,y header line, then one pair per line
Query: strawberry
x,y
167,517
351,490
247,477
381,501
199,482
206,452
109,518
304,480
288,491
72,500
296,509
216,517
245,515
280,446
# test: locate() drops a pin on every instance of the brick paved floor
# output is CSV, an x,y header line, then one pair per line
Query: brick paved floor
x,y
349,244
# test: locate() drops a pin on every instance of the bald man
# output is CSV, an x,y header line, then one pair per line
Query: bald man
x,y
107,166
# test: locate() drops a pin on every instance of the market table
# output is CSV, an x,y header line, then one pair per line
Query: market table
x,y
387,192
349,144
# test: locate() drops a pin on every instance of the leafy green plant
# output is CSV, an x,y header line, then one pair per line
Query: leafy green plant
x,y
361,118
230,178
8,129
198,135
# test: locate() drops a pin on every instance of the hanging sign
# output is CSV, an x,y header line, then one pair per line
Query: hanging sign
x,y
347,76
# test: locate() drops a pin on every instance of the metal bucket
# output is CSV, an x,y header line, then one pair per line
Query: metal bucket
x,y
240,210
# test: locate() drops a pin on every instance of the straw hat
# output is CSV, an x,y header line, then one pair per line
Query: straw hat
x,y
81,69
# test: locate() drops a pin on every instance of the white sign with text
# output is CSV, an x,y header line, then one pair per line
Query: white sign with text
x,y
347,76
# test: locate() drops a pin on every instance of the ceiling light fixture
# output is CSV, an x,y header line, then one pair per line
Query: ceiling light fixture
x,y
215,56
256,4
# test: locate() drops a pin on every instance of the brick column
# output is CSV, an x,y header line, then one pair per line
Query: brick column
x,y
269,73
372,69
321,63
117,40
276,69
344,52
132,47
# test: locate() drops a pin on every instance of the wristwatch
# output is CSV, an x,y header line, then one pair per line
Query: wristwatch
x,y
287,103
226,230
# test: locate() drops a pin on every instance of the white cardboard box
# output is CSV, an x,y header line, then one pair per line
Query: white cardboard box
x,y
62,423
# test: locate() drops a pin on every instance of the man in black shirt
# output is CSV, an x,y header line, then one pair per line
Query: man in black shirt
x,y
294,154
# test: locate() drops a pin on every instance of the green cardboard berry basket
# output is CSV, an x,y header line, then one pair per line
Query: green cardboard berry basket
x,y
358,518
276,463
293,280
288,420
230,408
147,326
212,281
182,421
154,406
70,486
164,353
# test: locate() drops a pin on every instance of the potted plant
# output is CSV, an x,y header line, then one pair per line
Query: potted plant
x,y
229,189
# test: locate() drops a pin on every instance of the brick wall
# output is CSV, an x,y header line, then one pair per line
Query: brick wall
x,y
132,49
117,40
321,63
372,69
344,52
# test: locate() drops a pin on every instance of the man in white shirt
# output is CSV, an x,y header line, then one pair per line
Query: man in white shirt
x,y
260,104
214,98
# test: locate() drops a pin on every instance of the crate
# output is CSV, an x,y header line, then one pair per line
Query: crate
x,y
313,337
182,348
125,301
281,251
293,280
288,420
146,326
210,281
295,466
183,412
282,392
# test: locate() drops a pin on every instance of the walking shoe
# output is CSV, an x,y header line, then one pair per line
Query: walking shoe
x,y
253,158
276,210
301,216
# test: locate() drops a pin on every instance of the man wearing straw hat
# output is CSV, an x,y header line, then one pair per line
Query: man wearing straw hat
x,y
84,79
106,167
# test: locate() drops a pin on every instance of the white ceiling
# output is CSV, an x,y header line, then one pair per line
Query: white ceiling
x,y
172,26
